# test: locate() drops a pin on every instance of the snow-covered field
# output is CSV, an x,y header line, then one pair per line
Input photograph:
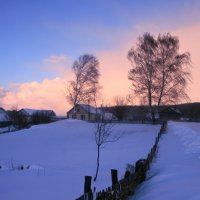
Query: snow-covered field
x,y
57,156
175,173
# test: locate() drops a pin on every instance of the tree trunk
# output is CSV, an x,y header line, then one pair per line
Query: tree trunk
x,y
162,87
150,101
97,169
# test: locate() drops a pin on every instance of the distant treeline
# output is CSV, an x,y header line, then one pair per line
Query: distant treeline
x,y
187,111
20,120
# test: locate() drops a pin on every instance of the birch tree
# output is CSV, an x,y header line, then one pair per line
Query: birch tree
x,y
85,83
159,73
173,71
142,74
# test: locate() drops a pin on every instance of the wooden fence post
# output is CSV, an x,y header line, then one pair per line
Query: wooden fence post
x,y
140,170
114,175
87,184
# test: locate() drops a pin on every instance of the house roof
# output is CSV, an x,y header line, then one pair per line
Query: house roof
x,y
1,109
87,108
30,112
171,110
90,109
3,115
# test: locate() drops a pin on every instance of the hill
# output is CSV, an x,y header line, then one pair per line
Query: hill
x,y
50,161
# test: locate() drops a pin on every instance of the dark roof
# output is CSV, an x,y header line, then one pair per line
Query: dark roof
x,y
2,109
170,110
30,112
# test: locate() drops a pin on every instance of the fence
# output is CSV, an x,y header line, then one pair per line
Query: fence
x,y
121,190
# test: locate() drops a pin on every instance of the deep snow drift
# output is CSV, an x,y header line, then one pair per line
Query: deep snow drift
x,y
57,156
175,173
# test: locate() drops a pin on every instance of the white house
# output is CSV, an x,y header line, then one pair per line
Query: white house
x,y
88,113
3,115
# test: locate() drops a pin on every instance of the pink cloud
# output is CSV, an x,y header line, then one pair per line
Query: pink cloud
x,y
59,64
3,92
114,67
48,94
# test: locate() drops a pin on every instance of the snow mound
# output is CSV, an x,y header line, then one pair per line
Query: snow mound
x,y
174,174
189,137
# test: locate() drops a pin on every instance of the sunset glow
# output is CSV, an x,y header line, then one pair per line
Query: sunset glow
x,y
40,41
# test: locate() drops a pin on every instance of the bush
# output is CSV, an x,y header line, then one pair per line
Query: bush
x,y
18,120
40,118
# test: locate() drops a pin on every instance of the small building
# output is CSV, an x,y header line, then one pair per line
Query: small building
x,y
29,113
3,115
88,113
170,113
4,118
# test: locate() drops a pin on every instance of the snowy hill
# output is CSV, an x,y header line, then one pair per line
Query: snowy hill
x,y
57,156
175,173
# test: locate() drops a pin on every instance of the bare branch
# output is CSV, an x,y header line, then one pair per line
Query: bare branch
x,y
86,80
159,74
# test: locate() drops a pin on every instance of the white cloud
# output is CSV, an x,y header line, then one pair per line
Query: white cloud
x,y
114,66
59,64
3,92
48,94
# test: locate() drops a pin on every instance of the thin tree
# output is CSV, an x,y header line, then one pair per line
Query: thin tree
x,y
85,82
102,135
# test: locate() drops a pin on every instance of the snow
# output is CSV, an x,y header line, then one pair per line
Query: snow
x,y
90,109
57,156
2,117
175,174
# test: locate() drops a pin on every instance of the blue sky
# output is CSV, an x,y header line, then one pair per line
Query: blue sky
x,y
31,31
34,30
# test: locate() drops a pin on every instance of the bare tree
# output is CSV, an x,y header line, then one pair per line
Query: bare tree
x,y
86,79
120,101
159,74
173,71
102,135
130,99
143,71
119,108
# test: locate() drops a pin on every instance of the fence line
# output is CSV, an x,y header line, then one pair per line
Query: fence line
x,y
122,189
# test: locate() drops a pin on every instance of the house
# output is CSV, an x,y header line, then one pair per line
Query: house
x,y
88,113
29,113
170,113
83,112
4,118
3,115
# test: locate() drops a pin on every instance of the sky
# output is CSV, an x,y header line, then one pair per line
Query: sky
x,y
39,40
